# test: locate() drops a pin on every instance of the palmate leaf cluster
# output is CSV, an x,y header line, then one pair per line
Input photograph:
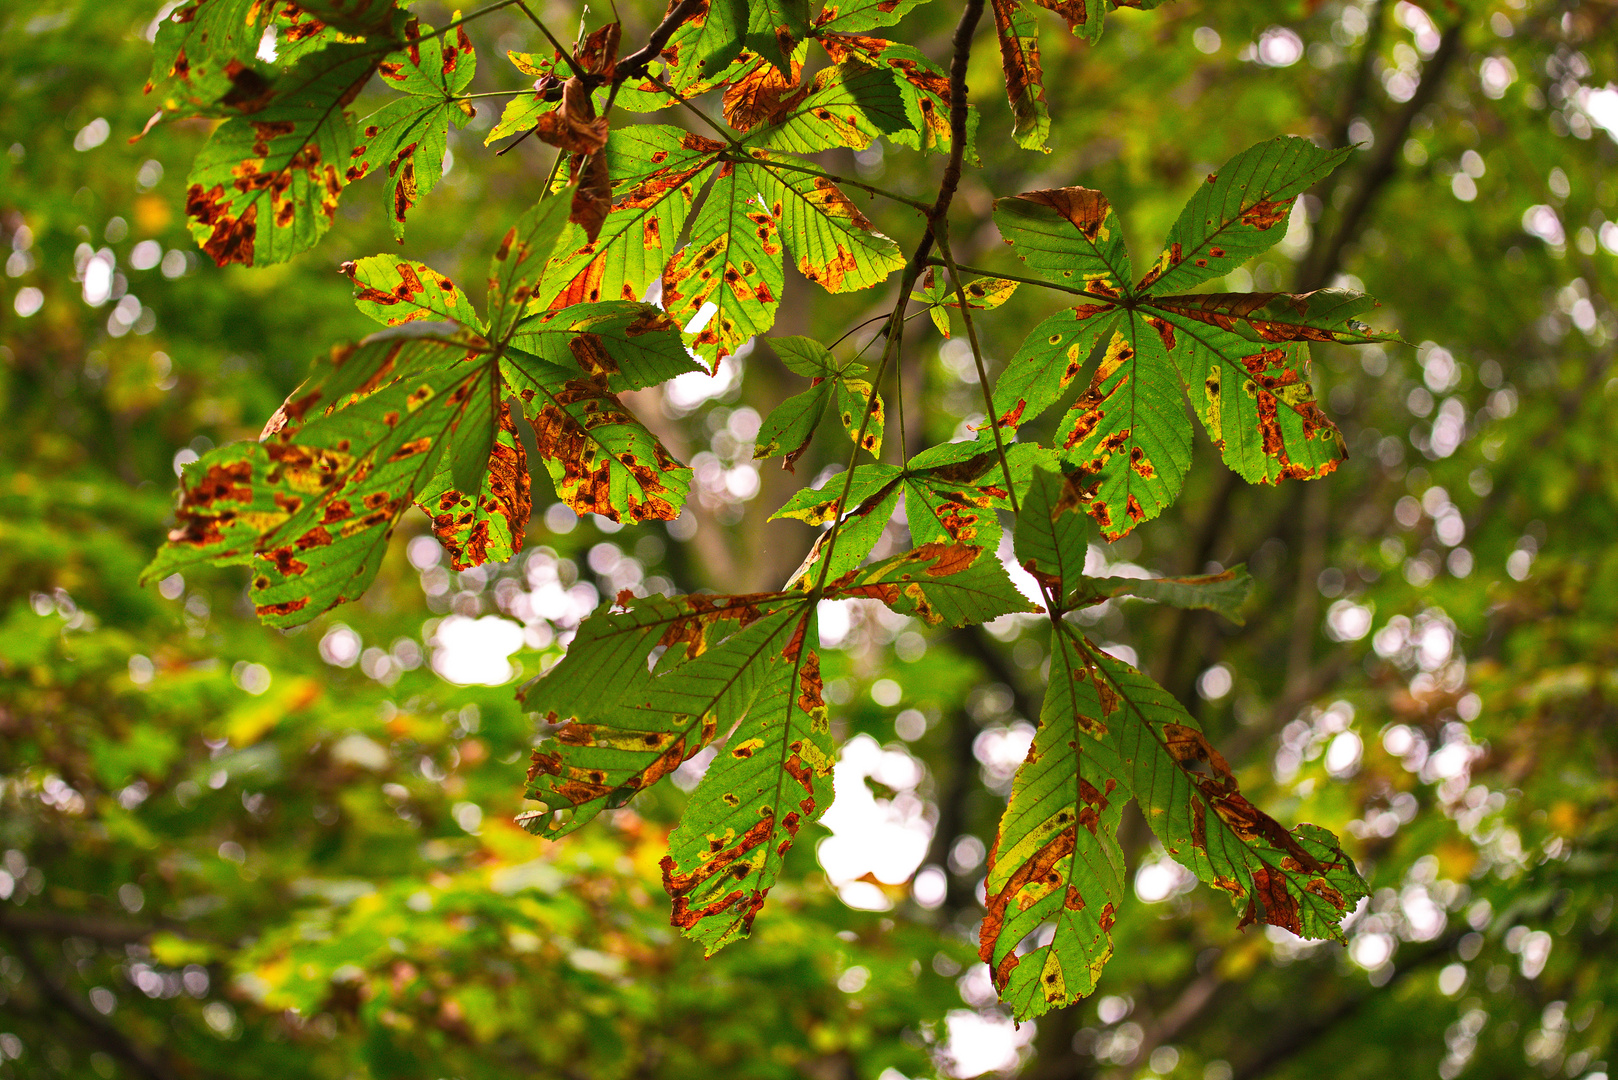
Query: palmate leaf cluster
x,y
426,413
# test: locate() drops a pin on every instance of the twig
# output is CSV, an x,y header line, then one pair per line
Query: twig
x,y
980,272
562,50
635,63
941,237
918,261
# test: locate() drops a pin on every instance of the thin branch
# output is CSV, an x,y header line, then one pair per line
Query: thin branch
x,y
635,63
918,261
961,44
941,237
980,272
463,20
562,50
844,181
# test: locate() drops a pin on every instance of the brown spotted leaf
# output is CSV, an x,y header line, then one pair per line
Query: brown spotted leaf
x,y
634,345
1225,592
923,86
1049,361
1275,318
849,105
1056,868
628,723
204,61
757,95
405,140
265,186
655,172
485,525
392,290
1299,880
1239,211
312,505
830,241
771,778
600,457
724,285
352,16
1128,431
854,16
953,584
982,294
521,263
1256,402
1071,235
952,491
774,29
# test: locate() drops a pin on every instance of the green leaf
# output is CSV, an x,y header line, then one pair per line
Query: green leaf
x,y
1056,864
392,290
834,243
1071,235
1300,881
486,524
637,345
406,138
265,187
1048,361
732,262
818,505
313,505
786,431
1025,85
1052,538
955,584
770,779
655,170
600,457
790,425
1240,211
625,725
1128,430
1255,401
1224,592
848,105
774,28
521,262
